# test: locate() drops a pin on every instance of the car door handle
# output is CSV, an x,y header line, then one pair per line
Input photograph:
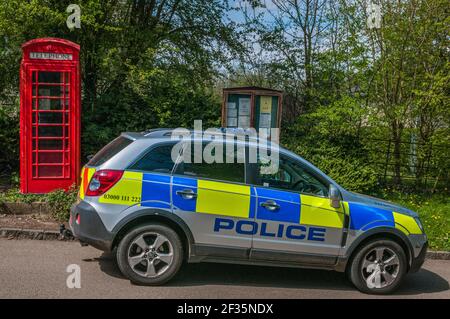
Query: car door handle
x,y
187,194
270,205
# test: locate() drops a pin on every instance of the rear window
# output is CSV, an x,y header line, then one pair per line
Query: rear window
x,y
158,159
109,151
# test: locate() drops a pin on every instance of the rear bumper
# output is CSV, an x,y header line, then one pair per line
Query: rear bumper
x,y
90,229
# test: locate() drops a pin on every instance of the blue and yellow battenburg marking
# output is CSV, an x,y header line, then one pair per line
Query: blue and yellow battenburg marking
x,y
137,188
364,217
225,199
243,201
299,209
213,197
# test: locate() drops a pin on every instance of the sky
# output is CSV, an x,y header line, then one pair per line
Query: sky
x,y
237,16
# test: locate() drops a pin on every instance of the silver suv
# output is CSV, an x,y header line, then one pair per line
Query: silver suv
x,y
158,212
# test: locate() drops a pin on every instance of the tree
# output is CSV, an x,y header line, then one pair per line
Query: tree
x,y
125,44
409,52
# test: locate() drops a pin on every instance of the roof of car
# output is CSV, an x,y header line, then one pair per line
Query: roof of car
x,y
169,132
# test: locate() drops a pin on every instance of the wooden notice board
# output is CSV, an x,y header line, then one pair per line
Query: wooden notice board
x,y
251,107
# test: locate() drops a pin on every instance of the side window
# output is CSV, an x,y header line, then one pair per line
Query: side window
x,y
157,159
219,169
288,175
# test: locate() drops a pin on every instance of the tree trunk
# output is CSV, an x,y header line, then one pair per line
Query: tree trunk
x,y
90,70
396,139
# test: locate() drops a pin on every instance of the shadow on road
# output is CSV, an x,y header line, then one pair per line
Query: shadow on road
x,y
202,274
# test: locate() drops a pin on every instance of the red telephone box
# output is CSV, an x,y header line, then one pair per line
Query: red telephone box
x,y
49,115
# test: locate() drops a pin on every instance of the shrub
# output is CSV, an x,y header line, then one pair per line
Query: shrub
x,y
60,201
9,138
330,138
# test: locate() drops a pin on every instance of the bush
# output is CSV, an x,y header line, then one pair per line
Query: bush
x,y
148,99
9,139
58,201
350,172
330,138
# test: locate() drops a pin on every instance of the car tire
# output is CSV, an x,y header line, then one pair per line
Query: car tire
x,y
150,254
374,275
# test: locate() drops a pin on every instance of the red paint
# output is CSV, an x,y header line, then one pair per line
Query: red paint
x,y
105,179
85,179
49,115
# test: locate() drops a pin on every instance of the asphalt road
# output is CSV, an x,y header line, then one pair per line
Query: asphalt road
x,y
37,269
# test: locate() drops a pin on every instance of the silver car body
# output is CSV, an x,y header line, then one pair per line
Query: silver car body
x,y
305,232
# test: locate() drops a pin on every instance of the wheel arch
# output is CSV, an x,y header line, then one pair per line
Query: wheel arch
x,y
374,233
155,215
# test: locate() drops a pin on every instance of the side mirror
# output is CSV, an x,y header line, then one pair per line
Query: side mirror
x,y
335,196
89,157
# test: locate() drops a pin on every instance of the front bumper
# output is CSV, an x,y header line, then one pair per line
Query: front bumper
x,y
90,228
418,261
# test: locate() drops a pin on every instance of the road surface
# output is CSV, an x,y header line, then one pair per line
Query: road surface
x,y
37,269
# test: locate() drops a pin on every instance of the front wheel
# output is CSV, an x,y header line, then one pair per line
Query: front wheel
x,y
378,267
150,254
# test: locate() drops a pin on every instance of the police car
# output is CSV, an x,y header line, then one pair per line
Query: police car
x,y
156,212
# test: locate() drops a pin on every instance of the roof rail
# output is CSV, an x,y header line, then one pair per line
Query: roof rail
x,y
249,134
157,132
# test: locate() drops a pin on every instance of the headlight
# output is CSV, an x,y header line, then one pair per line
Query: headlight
x,y
419,223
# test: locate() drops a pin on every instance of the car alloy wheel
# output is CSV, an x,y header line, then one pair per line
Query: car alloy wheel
x,y
150,254
380,267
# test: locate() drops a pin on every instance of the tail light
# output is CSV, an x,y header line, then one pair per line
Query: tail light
x,y
102,181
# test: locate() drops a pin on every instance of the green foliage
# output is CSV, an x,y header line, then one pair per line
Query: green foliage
x,y
13,195
349,88
349,171
58,202
150,97
330,139
144,63
149,64
9,137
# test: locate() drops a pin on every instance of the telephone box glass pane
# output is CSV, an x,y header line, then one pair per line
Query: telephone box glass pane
x,y
49,118
50,125
50,77
49,90
48,144
50,157
49,171
50,104
49,131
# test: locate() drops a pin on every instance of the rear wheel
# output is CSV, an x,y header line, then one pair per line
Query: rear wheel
x,y
378,267
150,254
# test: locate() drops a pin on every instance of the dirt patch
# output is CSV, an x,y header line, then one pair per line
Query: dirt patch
x,y
29,222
